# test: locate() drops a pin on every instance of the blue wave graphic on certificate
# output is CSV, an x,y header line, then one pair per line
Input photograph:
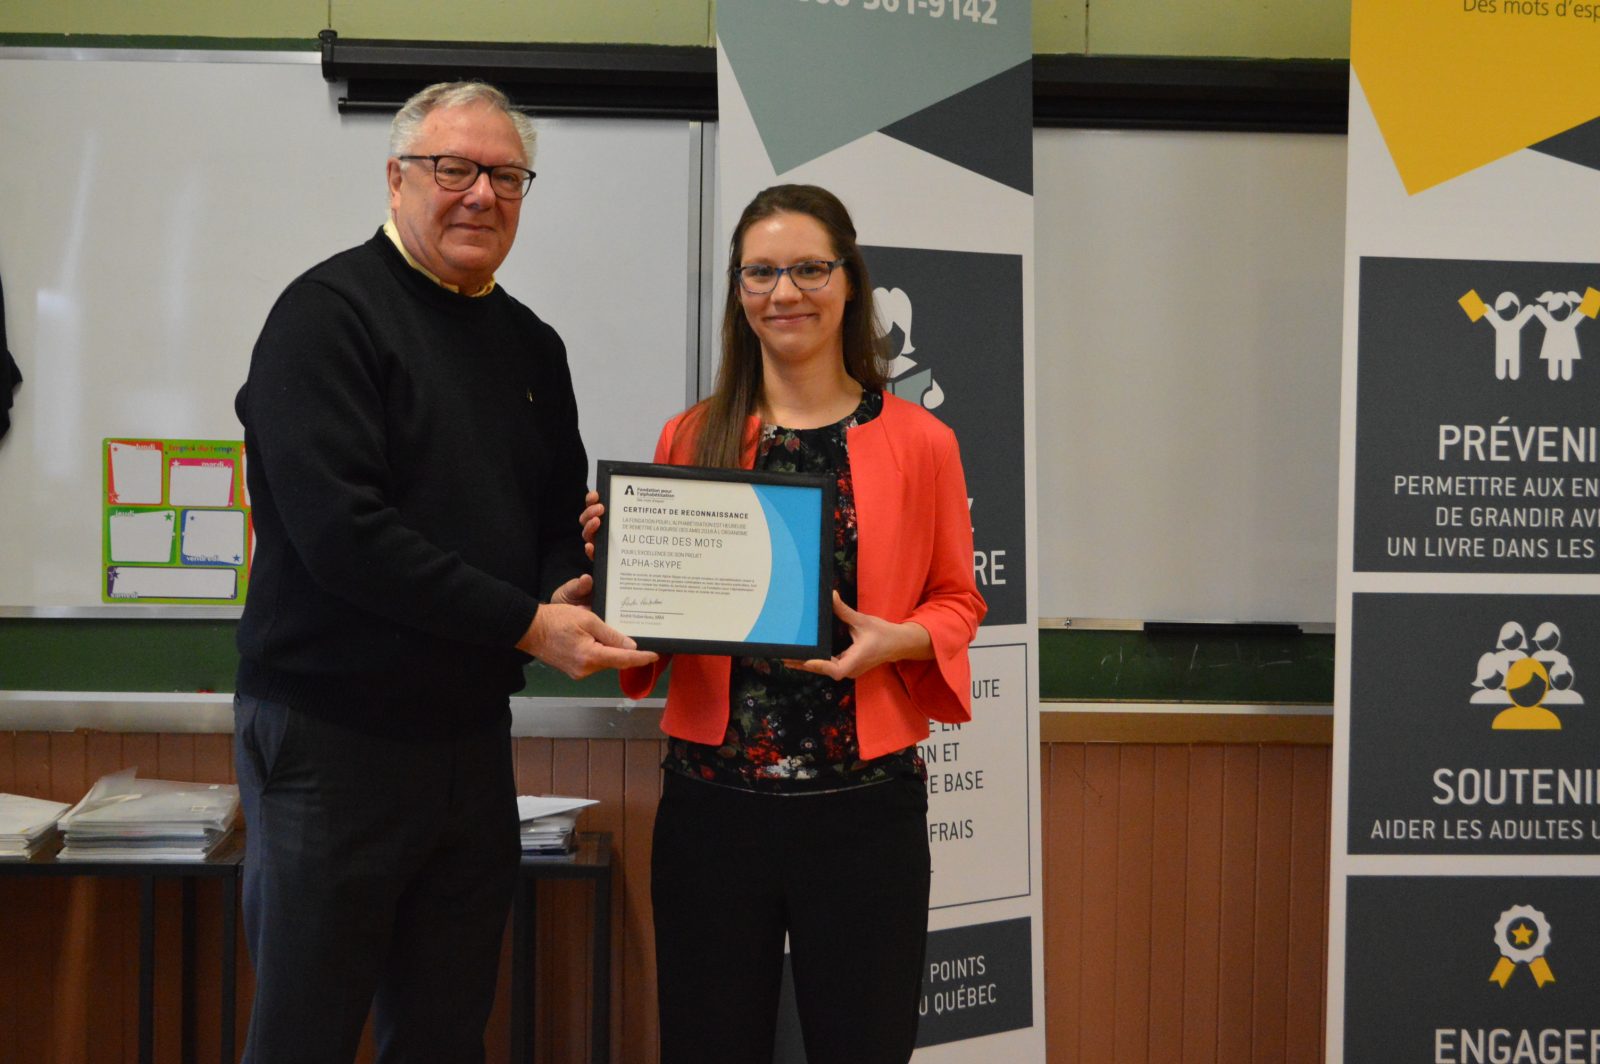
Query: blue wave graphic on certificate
x,y
789,614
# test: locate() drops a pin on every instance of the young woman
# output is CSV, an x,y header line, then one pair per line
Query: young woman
x,y
794,801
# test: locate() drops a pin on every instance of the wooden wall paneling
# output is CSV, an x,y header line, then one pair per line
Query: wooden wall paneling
x,y
1135,842
32,764
1064,822
608,784
571,906
141,750
103,754
1304,979
1202,946
533,761
533,765
174,757
38,902
245,987
497,1035
1097,995
1169,859
174,760
1044,856
1275,819
636,1006
213,759
209,900
35,905
110,980
1184,888
1235,990
10,918
68,765
213,763
75,931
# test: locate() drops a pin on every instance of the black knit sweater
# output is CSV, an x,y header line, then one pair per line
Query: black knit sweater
x,y
415,475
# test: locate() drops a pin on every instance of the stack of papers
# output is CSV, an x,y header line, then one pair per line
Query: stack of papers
x,y
549,822
124,818
26,823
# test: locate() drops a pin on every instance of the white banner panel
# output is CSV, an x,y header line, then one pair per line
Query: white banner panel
x,y
1466,826
918,115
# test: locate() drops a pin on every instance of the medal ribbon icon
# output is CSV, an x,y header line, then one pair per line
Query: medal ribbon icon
x,y
1523,934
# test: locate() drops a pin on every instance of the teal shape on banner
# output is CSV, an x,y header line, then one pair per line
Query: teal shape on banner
x,y
818,74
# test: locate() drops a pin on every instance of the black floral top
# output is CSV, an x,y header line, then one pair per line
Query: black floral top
x,y
791,731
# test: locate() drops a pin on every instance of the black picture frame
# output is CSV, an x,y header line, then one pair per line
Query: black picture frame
x,y
826,493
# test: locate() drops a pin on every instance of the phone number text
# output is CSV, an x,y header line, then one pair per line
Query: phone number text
x,y
978,11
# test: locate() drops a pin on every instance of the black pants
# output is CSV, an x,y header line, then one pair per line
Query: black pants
x,y
844,874
378,875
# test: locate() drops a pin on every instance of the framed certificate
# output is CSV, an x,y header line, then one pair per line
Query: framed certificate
x,y
716,561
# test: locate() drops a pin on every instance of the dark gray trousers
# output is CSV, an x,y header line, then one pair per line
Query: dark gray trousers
x,y
378,875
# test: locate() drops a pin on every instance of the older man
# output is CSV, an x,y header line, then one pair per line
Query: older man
x,y
416,475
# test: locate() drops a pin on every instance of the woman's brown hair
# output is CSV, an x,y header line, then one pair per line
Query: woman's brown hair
x,y
720,418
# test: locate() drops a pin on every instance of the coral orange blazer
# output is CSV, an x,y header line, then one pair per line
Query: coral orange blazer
x,y
913,563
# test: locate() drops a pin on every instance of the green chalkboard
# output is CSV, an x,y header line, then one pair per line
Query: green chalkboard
x,y
139,655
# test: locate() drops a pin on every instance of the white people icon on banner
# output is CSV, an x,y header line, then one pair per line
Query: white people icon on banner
x,y
905,380
1526,676
1559,312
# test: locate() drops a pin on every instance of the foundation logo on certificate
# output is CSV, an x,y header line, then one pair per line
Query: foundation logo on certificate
x,y
1560,314
1527,677
1523,935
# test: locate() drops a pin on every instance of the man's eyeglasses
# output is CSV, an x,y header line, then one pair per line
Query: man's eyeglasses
x,y
455,174
808,276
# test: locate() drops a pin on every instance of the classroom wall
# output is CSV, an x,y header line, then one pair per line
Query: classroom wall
x,y
1261,29
1233,834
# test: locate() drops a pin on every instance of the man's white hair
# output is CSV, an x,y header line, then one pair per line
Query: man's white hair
x,y
407,125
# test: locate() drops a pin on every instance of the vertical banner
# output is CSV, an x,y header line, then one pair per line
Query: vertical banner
x,y
918,114
1466,828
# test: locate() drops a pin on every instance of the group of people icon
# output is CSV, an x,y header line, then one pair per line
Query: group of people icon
x,y
1525,675
1560,312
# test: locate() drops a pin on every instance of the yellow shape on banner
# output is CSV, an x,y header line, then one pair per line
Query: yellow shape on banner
x,y
1457,84
1590,307
1473,304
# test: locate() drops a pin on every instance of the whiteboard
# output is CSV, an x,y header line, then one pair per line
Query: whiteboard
x,y
1188,323
159,208
1187,384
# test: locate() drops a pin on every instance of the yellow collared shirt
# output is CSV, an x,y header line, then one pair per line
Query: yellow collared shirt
x,y
394,235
